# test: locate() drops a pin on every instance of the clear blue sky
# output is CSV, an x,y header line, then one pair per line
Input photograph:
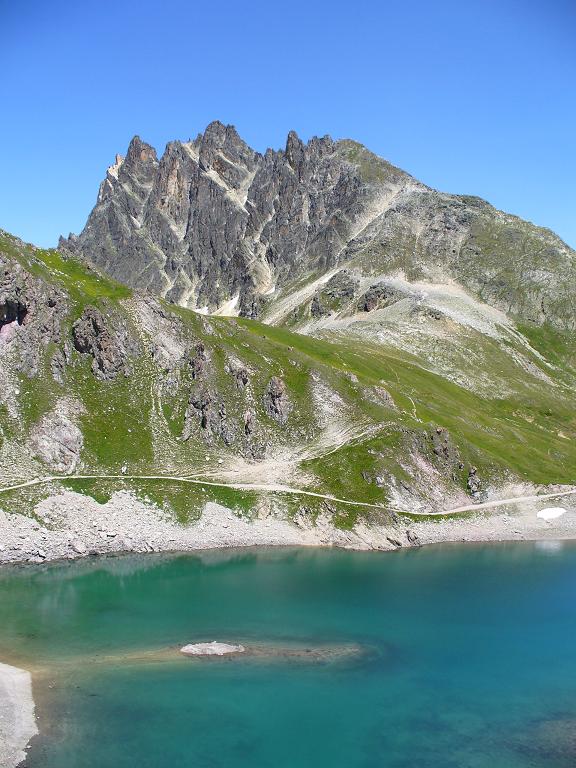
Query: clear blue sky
x,y
474,96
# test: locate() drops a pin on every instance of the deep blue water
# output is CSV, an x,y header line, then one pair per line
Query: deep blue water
x,y
469,662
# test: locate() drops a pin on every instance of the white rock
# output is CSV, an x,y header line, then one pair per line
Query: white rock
x,y
211,649
551,513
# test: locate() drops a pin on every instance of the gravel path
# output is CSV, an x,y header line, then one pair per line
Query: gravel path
x,y
279,488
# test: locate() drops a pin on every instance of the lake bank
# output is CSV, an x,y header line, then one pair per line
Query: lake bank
x,y
18,707
17,719
69,525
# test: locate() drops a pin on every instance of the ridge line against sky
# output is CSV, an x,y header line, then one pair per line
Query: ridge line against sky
x,y
476,98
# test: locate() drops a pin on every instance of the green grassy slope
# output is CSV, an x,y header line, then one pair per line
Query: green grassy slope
x,y
136,422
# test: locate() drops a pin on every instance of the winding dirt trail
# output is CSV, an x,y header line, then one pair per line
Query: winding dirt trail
x,y
279,488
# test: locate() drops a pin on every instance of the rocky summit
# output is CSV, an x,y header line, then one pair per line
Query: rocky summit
x,y
301,346
217,227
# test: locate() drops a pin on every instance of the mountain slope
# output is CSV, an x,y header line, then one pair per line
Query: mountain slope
x,y
99,380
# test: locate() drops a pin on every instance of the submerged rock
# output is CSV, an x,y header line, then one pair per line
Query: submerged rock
x,y
548,742
211,649
318,654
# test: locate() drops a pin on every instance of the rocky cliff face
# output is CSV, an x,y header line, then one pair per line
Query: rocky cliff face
x,y
30,313
213,221
215,226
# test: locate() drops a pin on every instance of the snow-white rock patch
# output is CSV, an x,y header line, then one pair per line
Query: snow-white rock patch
x,y
551,513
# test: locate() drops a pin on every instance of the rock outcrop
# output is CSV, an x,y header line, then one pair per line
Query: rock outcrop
x,y
276,402
31,311
57,440
213,648
107,340
206,410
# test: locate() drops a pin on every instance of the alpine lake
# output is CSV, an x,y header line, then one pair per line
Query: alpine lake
x,y
451,656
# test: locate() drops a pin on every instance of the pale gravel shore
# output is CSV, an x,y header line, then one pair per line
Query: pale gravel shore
x,y
17,720
508,522
71,525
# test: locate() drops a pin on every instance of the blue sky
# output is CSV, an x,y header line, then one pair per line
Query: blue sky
x,y
476,96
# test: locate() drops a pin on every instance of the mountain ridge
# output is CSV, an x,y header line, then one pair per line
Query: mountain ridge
x,y
215,226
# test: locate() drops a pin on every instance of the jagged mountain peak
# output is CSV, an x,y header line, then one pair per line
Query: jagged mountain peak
x,y
216,226
140,152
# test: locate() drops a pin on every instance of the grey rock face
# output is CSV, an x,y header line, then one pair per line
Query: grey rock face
x,y
381,396
474,483
198,360
248,423
239,372
338,291
205,409
213,221
30,315
60,360
57,441
413,539
107,341
379,295
276,402
342,286
79,547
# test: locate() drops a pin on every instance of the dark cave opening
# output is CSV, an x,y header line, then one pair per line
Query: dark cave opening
x,y
12,311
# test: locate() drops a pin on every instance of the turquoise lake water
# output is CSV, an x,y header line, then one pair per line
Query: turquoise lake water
x,y
469,658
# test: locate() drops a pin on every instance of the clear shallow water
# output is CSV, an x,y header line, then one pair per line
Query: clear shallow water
x,y
471,662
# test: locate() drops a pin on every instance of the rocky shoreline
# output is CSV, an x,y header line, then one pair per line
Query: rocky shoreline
x,y
69,525
17,719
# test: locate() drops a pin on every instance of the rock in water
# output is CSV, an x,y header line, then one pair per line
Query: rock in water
x,y
211,649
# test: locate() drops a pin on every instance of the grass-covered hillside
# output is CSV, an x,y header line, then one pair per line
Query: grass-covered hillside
x,y
98,380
